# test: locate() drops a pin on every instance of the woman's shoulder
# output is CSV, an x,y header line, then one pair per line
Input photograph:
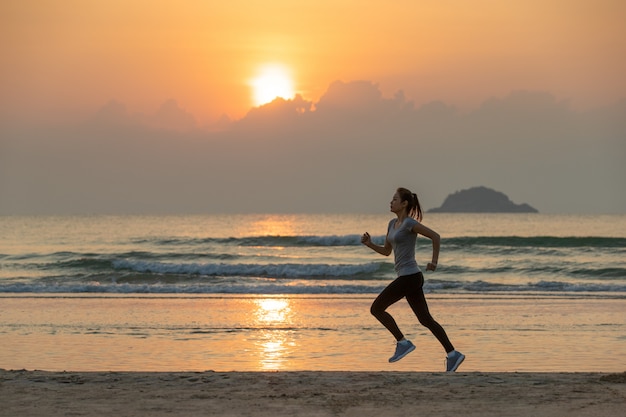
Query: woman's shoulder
x,y
410,222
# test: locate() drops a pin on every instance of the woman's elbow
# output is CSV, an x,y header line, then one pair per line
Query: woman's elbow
x,y
435,238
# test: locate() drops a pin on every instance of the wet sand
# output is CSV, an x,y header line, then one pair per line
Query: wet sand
x,y
275,394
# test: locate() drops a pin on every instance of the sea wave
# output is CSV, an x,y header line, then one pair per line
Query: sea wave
x,y
270,241
354,240
155,286
313,264
537,242
286,270
232,265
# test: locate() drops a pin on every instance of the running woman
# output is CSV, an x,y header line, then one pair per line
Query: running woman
x,y
401,236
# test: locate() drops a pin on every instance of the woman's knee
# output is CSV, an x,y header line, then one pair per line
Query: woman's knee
x,y
427,321
376,310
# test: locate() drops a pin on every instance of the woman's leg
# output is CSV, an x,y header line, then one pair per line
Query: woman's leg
x,y
417,301
390,295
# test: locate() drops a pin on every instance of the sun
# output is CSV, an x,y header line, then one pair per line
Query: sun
x,y
271,81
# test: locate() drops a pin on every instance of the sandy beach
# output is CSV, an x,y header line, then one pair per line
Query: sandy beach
x,y
39,393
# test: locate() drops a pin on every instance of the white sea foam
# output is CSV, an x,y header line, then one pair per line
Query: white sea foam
x,y
306,254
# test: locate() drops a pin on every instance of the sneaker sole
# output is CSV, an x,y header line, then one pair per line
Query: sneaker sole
x,y
409,350
458,363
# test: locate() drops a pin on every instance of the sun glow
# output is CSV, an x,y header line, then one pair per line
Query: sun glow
x,y
271,82
273,311
273,225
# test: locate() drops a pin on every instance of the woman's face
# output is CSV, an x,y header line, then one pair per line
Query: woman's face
x,y
397,205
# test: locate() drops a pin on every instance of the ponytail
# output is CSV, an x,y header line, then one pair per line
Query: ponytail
x,y
414,209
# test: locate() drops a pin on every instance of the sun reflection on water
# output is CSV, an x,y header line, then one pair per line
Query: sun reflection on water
x,y
275,341
274,225
272,311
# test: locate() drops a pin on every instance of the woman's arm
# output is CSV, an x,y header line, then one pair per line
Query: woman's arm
x,y
383,250
435,238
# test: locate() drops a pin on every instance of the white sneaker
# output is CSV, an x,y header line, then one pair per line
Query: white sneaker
x,y
403,348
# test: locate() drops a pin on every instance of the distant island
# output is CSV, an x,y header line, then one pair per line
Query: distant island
x,y
481,200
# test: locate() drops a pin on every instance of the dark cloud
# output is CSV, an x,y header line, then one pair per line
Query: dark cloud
x,y
345,153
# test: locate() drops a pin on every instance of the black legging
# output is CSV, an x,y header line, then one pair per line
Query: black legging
x,y
409,286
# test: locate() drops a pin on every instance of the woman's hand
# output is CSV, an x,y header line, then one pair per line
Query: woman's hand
x,y
366,239
431,266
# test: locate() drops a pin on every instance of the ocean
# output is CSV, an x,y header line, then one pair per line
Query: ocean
x,y
308,254
292,292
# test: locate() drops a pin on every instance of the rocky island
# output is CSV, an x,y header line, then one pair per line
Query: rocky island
x,y
481,200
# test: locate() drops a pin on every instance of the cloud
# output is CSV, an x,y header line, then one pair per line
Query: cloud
x,y
275,114
170,116
113,114
345,153
356,97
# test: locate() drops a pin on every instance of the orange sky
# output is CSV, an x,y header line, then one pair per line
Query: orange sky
x,y
66,58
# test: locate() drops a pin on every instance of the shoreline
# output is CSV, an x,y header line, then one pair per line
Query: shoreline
x,y
368,296
258,334
311,393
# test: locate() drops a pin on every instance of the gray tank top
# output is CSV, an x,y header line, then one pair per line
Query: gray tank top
x,y
402,241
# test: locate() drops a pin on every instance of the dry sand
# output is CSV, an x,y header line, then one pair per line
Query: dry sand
x,y
275,394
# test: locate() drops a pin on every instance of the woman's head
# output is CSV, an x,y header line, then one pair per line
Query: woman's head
x,y
412,207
